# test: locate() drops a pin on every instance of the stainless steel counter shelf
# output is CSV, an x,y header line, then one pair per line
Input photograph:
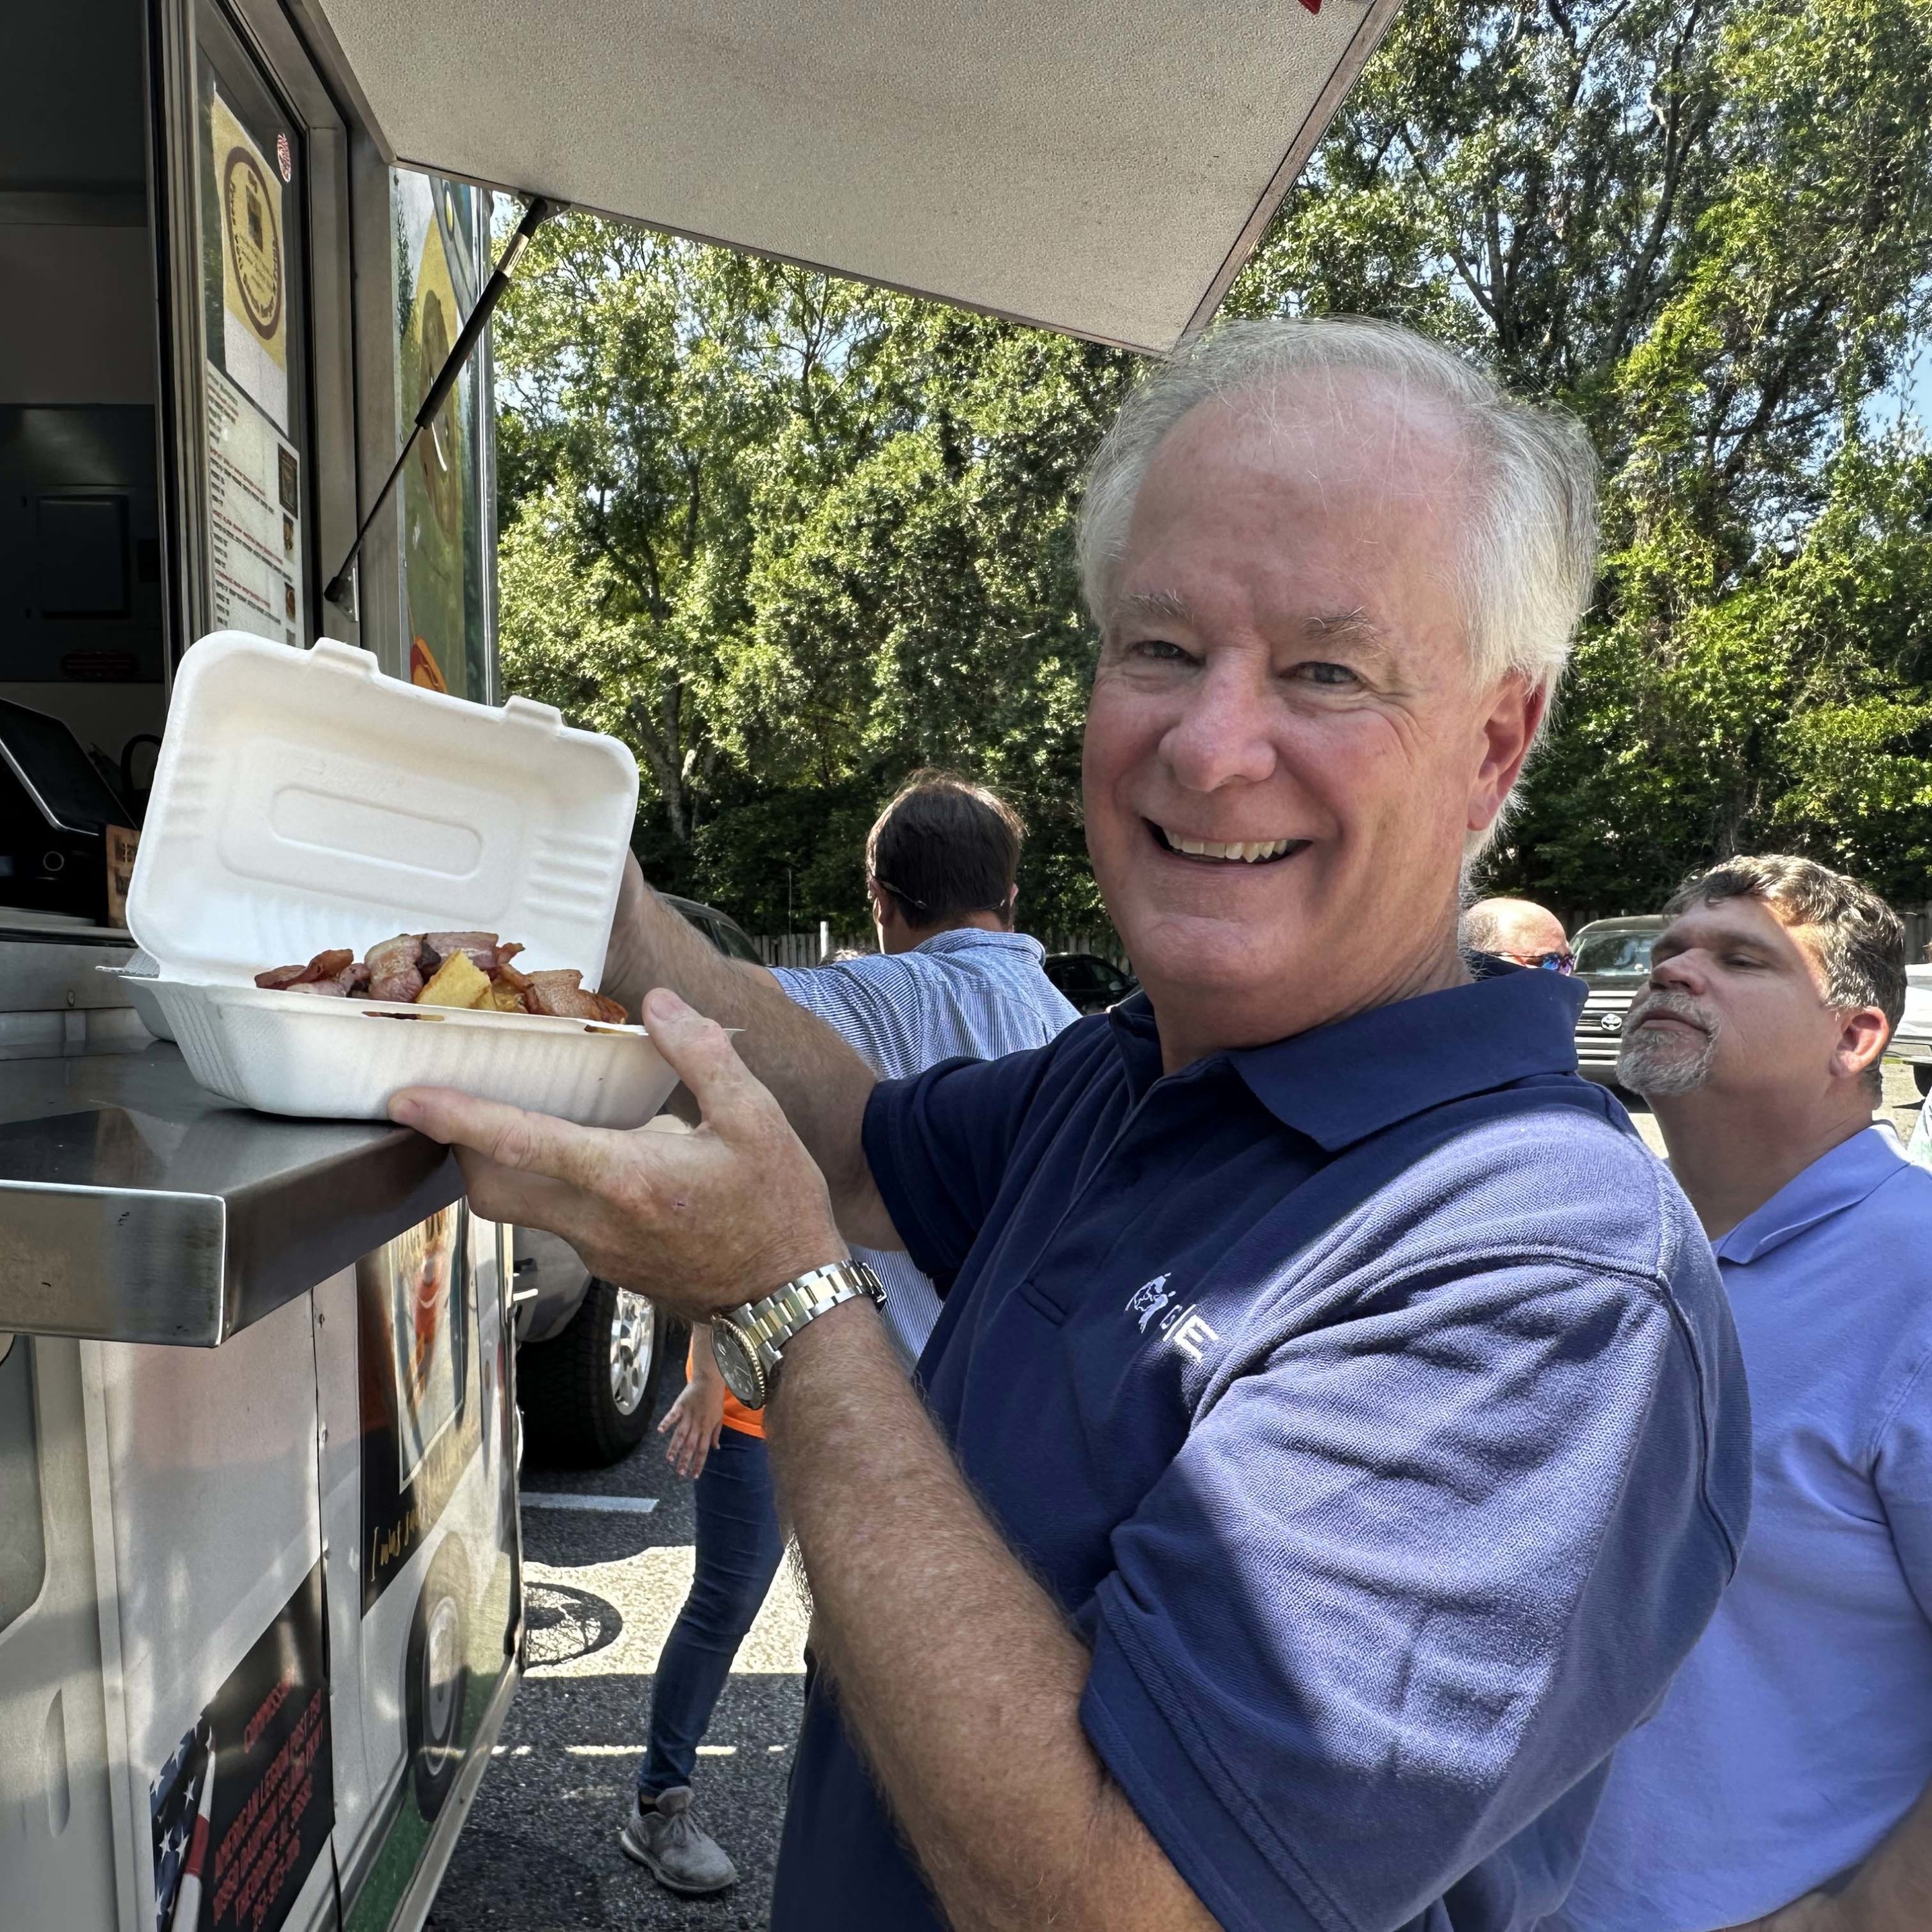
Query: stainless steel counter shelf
x,y
137,1206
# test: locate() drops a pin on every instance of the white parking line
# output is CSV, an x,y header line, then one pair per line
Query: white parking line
x,y
610,1505
637,1751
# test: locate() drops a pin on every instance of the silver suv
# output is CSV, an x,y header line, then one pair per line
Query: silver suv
x,y
591,1355
1613,962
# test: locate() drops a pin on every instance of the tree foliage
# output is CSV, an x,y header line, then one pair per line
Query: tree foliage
x,y
1707,228
790,537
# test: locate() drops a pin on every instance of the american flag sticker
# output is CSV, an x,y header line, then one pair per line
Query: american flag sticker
x,y
181,1799
244,1806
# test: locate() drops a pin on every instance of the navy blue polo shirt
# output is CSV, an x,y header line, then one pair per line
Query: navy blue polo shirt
x,y
1368,1401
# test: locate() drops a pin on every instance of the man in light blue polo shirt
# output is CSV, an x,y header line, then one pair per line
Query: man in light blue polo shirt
x,y
951,976
1782,1784
1335,1437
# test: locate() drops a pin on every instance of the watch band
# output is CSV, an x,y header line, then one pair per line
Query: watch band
x,y
765,1326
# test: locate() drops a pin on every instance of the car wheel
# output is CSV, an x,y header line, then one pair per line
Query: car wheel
x,y
1921,1077
589,1394
436,1684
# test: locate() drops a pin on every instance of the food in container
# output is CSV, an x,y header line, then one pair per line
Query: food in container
x,y
445,969
305,805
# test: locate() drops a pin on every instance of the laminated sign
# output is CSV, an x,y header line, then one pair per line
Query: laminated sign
x,y
243,1808
254,308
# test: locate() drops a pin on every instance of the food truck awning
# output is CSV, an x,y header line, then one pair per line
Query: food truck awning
x,y
1103,166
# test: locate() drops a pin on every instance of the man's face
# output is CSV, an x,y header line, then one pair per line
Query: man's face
x,y
1284,681
1736,1006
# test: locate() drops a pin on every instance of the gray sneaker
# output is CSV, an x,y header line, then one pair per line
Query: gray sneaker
x,y
670,1844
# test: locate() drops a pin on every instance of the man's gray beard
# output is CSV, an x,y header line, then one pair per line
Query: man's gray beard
x,y
1664,1065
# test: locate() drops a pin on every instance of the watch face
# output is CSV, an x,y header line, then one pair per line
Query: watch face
x,y
743,1374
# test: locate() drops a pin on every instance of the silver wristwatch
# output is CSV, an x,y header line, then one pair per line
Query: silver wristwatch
x,y
748,1344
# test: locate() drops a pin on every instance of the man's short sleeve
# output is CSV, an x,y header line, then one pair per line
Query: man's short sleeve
x,y
1413,1573
1902,1474
940,1144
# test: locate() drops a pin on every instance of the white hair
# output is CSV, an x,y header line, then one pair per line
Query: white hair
x,y
1529,554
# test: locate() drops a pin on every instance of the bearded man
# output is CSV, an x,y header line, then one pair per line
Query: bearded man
x,y
1783,1783
1334,1437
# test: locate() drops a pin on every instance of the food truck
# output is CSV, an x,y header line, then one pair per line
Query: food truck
x,y
260,1602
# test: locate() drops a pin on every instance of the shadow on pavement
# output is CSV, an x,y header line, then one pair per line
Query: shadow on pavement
x,y
539,1852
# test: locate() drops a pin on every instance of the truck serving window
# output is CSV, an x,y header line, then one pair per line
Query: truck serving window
x,y
82,629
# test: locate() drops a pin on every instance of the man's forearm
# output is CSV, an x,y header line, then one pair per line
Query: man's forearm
x,y
1891,1891
957,1672
821,1084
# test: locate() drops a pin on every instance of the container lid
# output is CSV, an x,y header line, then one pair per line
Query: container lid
x,y
303,801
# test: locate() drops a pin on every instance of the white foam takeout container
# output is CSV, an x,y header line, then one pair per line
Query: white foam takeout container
x,y
303,802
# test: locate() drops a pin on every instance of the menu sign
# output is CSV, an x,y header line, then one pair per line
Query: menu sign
x,y
254,518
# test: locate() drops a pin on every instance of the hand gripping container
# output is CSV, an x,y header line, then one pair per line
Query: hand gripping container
x,y
303,801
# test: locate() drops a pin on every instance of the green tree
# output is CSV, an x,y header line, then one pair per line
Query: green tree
x,y
790,538
1705,228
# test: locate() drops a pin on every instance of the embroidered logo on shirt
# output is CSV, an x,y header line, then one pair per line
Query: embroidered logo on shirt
x,y
1148,1302
1189,1331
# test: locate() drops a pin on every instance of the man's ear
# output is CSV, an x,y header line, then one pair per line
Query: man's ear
x,y
1862,1038
1515,712
1010,911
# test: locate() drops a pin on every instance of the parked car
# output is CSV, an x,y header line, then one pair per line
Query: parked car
x,y
1087,981
1613,962
1911,1042
591,1356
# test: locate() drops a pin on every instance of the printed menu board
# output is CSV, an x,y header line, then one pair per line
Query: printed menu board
x,y
249,202
254,519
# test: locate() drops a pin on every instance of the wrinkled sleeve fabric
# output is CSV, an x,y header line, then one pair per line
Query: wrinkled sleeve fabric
x,y
1417,1568
939,1146
866,1002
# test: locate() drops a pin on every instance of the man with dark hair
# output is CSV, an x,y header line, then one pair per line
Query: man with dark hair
x,y
951,979
1782,1783
944,854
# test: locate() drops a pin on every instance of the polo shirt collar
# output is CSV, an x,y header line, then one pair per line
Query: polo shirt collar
x,y
1833,1182
1340,1083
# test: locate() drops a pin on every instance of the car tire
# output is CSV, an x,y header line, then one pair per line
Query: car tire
x,y
1922,1077
435,1682
588,1394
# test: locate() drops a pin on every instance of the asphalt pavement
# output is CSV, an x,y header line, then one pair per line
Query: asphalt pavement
x,y
539,1852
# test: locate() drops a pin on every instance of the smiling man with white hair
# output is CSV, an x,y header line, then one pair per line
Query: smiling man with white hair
x,y
1334,1437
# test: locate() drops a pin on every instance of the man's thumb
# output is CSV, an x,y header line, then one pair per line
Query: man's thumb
x,y
698,1051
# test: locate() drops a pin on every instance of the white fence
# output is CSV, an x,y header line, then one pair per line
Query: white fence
x,y
807,949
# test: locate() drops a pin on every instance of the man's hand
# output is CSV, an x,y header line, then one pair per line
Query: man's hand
x,y
699,1222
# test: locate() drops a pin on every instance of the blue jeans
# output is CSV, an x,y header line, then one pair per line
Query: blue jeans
x,y
739,1550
